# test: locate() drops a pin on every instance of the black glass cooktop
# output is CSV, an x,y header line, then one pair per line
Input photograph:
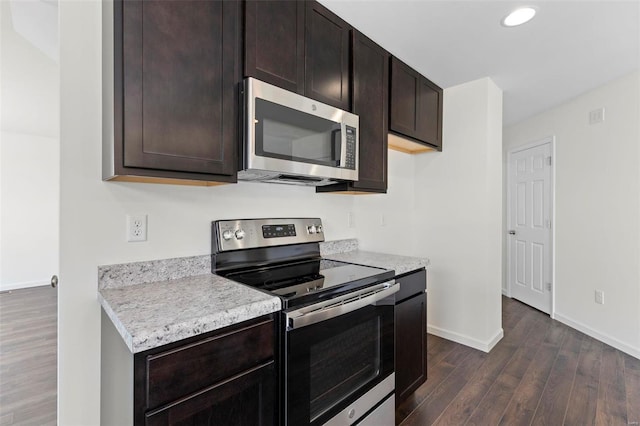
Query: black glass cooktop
x,y
309,281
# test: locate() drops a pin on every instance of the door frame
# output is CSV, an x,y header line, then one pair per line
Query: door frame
x,y
552,246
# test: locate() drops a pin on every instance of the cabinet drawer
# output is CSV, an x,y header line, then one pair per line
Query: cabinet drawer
x,y
244,400
180,371
411,284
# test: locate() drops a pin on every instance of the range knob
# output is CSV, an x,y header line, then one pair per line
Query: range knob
x,y
227,235
239,234
319,229
311,229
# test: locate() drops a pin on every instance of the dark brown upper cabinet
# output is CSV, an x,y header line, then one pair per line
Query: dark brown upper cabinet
x,y
299,46
176,70
415,106
274,43
327,57
370,101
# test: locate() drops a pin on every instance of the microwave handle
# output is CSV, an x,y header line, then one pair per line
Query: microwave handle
x,y
339,306
336,144
343,145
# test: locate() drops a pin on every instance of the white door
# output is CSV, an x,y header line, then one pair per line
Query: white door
x,y
530,212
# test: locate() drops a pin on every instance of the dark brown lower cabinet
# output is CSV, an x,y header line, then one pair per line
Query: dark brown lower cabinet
x,y
246,399
225,377
411,334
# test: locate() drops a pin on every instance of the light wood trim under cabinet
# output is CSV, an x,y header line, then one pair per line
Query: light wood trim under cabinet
x,y
169,181
398,143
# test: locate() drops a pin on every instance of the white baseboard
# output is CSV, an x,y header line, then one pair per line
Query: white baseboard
x,y
18,286
611,341
485,346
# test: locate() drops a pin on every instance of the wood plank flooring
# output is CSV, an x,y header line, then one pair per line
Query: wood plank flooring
x,y
28,356
541,373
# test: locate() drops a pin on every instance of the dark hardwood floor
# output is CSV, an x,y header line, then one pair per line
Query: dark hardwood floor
x,y
541,373
28,356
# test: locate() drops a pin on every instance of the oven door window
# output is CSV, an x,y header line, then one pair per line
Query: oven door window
x,y
288,134
332,363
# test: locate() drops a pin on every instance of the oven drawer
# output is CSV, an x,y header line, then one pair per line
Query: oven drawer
x,y
182,370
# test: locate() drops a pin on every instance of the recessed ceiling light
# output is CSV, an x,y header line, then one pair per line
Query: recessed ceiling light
x,y
519,17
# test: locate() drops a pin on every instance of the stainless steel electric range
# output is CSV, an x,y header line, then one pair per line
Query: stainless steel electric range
x,y
337,322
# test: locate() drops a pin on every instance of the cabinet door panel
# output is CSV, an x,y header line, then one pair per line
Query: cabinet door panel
x,y
405,84
180,74
411,284
177,372
274,43
411,346
430,113
370,102
244,400
327,57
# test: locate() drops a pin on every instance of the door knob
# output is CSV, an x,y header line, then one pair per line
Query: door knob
x,y
54,281
512,232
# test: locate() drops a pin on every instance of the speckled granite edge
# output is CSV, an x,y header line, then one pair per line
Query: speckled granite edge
x,y
154,314
127,274
122,330
328,248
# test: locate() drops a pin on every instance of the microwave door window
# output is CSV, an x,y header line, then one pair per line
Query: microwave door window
x,y
288,134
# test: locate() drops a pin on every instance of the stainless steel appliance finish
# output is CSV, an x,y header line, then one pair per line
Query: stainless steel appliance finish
x,y
289,138
383,415
337,329
256,233
340,305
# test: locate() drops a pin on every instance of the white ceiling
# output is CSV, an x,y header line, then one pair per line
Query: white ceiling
x,y
569,48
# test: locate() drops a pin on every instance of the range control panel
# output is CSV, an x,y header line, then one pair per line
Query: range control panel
x,y
255,233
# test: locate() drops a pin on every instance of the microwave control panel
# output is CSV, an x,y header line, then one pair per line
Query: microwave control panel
x,y
350,161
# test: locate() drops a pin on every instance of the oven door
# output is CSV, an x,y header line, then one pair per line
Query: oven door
x,y
339,357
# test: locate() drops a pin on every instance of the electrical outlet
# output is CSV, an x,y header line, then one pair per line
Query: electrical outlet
x,y
600,297
136,227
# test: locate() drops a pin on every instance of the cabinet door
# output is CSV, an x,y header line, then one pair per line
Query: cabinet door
x,y
405,86
327,57
180,65
411,346
274,43
430,114
415,106
370,102
244,400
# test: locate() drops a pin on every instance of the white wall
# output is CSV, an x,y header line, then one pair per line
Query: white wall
x,y
384,223
29,211
458,196
29,147
448,207
597,223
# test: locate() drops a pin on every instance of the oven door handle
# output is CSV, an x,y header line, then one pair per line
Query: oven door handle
x,y
339,306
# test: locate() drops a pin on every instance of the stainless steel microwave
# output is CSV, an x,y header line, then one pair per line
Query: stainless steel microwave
x,y
289,138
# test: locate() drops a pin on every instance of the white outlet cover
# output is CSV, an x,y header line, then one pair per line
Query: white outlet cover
x,y
136,228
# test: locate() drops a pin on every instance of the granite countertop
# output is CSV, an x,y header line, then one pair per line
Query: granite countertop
x,y
154,303
400,264
153,314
